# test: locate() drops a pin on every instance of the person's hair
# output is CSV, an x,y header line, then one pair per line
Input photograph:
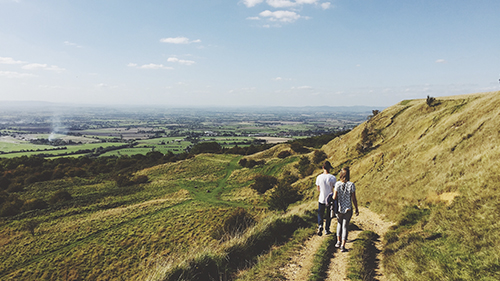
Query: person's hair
x,y
344,175
327,166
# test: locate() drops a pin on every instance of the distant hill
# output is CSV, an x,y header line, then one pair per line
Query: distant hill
x,y
275,109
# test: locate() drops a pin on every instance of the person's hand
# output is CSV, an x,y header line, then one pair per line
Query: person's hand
x,y
357,212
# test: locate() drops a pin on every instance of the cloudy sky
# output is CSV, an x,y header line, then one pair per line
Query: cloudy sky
x,y
247,52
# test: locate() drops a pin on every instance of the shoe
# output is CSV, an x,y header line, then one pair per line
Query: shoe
x,y
343,249
320,230
337,245
328,232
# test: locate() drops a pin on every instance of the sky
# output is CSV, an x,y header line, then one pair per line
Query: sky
x,y
247,52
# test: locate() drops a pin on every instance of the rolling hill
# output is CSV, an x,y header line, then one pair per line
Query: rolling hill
x,y
432,165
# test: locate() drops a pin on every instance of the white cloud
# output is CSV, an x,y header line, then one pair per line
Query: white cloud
x,y
179,40
184,62
440,61
149,66
302,88
6,60
326,5
37,66
252,3
13,74
281,3
154,66
282,16
282,79
306,1
67,43
253,18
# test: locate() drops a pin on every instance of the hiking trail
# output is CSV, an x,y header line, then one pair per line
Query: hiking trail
x,y
300,264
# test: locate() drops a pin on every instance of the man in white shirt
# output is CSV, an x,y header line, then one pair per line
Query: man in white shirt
x,y
324,183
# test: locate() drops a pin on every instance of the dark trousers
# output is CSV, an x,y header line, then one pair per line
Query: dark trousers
x,y
324,214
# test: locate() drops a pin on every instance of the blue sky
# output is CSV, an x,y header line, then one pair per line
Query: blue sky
x,y
247,53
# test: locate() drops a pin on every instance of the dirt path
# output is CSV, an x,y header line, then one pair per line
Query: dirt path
x,y
300,264
367,220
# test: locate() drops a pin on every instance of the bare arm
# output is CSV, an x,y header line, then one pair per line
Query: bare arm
x,y
334,194
355,202
317,187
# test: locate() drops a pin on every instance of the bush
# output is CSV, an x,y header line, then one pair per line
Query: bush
x,y
299,148
11,205
430,100
238,221
34,204
60,196
284,154
243,162
141,179
304,166
282,196
263,183
250,163
318,156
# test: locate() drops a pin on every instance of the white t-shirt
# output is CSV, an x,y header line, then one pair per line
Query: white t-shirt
x,y
326,182
344,191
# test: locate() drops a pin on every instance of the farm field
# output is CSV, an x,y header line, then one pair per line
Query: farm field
x,y
97,132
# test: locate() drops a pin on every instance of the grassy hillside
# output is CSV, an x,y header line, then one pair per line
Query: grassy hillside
x,y
434,168
108,232
431,166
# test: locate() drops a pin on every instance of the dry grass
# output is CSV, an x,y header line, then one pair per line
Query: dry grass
x,y
445,158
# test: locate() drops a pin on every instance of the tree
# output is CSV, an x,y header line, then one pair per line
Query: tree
x,y
206,147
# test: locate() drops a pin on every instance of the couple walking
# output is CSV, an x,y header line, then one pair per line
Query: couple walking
x,y
343,193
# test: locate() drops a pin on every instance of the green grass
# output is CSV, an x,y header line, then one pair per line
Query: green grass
x,y
322,258
105,231
362,257
268,265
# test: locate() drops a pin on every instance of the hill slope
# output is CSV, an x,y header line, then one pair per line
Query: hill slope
x,y
435,169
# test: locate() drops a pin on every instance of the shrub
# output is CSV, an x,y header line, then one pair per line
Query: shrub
x,y
238,221
141,179
243,162
284,154
304,166
11,205
34,204
123,180
430,101
30,226
263,183
299,148
282,196
318,156
60,196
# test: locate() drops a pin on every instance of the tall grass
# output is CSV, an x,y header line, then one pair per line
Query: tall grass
x,y
219,263
443,161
